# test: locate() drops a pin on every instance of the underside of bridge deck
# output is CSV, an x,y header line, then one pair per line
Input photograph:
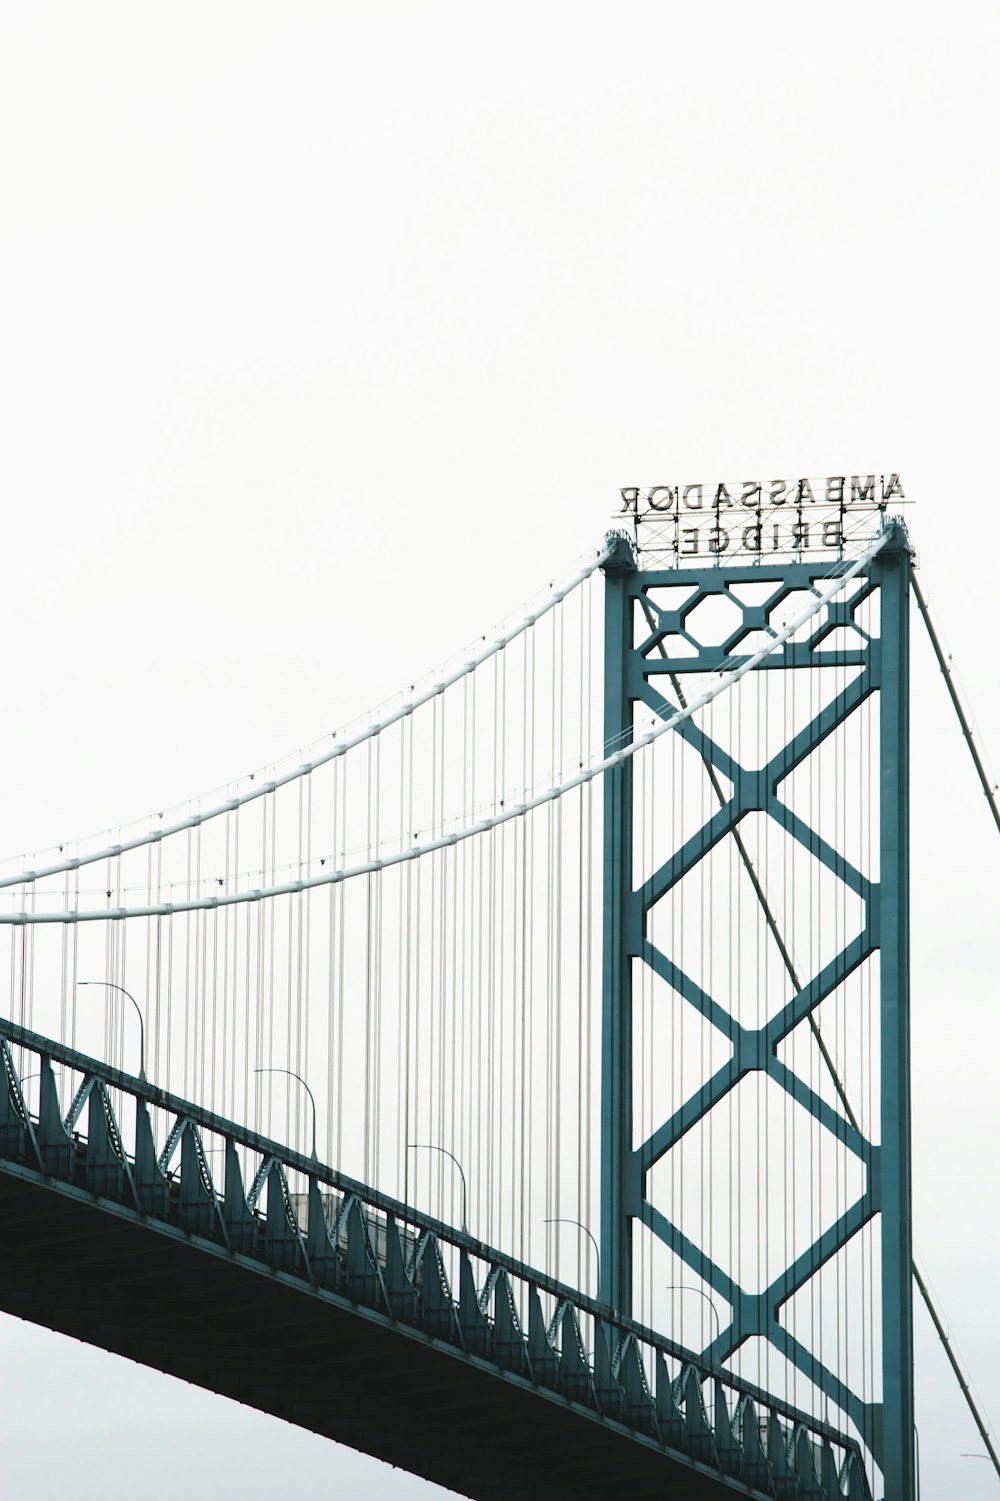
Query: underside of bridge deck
x,y
86,1268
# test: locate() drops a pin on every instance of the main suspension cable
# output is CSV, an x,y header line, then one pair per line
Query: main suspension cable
x,y
262,789
991,798
414,852
944,664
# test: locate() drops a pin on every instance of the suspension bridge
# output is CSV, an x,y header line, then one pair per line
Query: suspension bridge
x,y
516,1088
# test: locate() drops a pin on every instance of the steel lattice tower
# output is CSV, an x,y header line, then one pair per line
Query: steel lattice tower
x,y
648,647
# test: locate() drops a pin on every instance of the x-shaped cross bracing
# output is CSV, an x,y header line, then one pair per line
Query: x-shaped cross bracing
x,y
755,1049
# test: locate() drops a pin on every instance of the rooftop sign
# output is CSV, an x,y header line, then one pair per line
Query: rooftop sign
x,y
751,517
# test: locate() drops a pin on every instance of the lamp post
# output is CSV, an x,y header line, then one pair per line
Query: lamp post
x,y
298,1077
112,985
36,1073
562,1220
427,1146
685,1287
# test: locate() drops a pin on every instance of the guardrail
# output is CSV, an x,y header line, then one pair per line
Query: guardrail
x,y
347,1241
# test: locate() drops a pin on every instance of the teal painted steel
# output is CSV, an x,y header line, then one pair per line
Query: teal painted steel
x,y
898,1466
633,677
618,1203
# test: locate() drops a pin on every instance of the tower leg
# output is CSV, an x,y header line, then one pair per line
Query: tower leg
x,y
897,1243
616,1002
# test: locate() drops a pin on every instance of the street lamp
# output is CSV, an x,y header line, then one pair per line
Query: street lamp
x,y
293,1075
562,1220
36,1073
112,985
685,1287
427,1146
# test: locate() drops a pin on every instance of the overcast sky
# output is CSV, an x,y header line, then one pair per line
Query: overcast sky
x,y
328,334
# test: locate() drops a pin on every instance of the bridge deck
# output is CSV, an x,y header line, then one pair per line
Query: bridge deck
x,y
245,1332
323,1314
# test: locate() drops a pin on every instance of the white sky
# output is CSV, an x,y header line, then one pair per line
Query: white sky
x,y
329,333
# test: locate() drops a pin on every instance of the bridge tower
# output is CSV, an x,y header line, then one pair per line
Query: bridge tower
x,y
654,645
